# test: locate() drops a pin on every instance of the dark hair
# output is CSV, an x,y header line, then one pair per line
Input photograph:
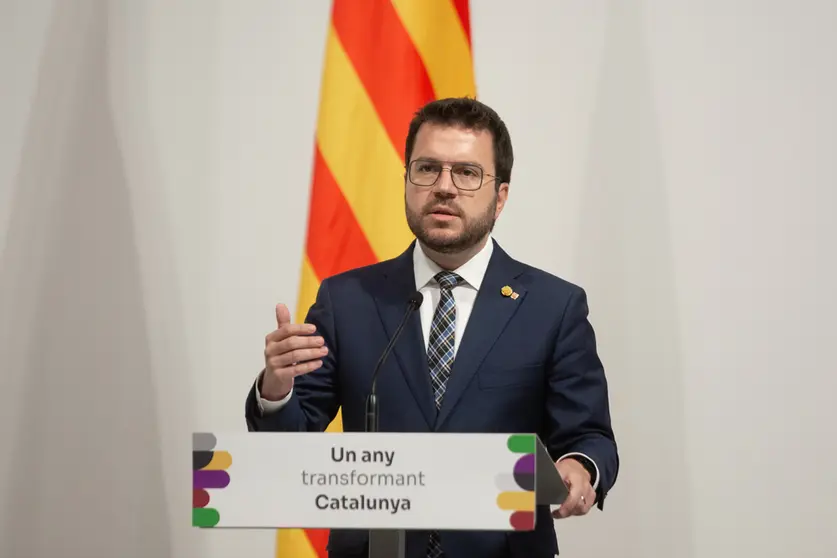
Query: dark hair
x,y
472,115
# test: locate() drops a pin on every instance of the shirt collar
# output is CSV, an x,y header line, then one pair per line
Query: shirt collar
x,y
472,271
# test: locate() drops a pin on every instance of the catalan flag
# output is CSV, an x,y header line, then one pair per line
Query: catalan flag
x,y
384,60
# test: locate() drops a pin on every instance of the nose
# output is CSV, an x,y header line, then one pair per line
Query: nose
x,y
444,184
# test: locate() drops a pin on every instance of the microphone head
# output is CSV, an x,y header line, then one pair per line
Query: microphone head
x,y
416,299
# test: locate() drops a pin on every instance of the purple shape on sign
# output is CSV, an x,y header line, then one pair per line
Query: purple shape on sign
x,y
525,464
210,479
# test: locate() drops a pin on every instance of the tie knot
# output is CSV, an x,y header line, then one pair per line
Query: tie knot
x,y
448,279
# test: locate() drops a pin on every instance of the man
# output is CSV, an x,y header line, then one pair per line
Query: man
x,y
473,359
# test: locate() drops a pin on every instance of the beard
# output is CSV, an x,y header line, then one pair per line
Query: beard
x,y
474,229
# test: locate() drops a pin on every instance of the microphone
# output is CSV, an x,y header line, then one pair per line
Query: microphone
x,y
372,400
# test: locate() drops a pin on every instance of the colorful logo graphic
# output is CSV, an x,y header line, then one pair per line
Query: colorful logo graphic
x,y
209,471
518,488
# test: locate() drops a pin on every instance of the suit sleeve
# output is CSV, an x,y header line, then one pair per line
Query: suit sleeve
x,y
315,398
578,409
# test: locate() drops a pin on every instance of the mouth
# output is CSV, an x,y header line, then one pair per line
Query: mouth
x,y
443,213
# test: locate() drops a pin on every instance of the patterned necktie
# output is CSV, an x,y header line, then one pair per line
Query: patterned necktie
x,y
442,333
440,351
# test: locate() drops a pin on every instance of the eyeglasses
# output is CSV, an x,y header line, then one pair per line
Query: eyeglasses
x,y
465,176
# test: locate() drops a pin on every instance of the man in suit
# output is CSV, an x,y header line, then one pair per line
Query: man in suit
x,y
476,357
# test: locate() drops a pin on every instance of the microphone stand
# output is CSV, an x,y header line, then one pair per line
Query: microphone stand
x,y
387,543
372,411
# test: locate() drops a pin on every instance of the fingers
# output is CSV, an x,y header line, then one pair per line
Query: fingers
x,y
300,368
580,500
297,342
588,502
289,330
571,504
292,345
287,358
283,315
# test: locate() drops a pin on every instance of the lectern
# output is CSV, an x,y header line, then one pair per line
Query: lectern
x,y
388,483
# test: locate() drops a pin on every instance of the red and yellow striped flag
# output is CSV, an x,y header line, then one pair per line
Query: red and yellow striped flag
x,y
384,60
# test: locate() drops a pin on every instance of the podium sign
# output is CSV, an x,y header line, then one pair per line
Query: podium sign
x,y
361,480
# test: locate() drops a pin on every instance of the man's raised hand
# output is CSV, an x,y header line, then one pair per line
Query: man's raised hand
x,y
289,350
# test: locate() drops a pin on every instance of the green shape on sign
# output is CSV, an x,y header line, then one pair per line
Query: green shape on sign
x,y
522,443
205,517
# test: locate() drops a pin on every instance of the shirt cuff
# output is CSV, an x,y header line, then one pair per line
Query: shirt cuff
x,y
596,467
266,406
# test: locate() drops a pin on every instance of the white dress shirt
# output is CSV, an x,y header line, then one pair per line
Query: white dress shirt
x,y
465,293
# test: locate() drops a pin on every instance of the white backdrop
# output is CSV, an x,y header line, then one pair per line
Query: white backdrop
x,y
676,159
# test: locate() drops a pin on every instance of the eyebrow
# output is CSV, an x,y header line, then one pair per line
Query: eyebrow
x,y
432,160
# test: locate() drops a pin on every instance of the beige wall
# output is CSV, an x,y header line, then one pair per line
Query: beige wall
x,y
676,159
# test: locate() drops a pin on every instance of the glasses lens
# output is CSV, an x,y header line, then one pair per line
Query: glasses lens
x,y
466,177
424,173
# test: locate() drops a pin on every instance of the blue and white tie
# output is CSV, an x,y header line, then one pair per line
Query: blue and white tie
x,y
440,347
440,353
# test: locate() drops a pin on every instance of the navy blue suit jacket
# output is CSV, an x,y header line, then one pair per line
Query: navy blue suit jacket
x,y
524,365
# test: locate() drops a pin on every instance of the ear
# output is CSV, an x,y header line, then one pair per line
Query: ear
x,y
502,196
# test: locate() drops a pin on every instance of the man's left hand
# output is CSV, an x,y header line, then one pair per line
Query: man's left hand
x,y
582,497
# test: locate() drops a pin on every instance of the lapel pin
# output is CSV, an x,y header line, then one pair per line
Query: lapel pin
x,y
514,296
506,291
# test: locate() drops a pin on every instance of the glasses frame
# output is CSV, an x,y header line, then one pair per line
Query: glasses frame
x,y
448,165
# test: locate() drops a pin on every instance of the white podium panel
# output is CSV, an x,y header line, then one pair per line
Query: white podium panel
x,y
367,480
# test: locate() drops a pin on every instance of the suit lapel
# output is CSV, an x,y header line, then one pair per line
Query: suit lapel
x,y
489,317
398,283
